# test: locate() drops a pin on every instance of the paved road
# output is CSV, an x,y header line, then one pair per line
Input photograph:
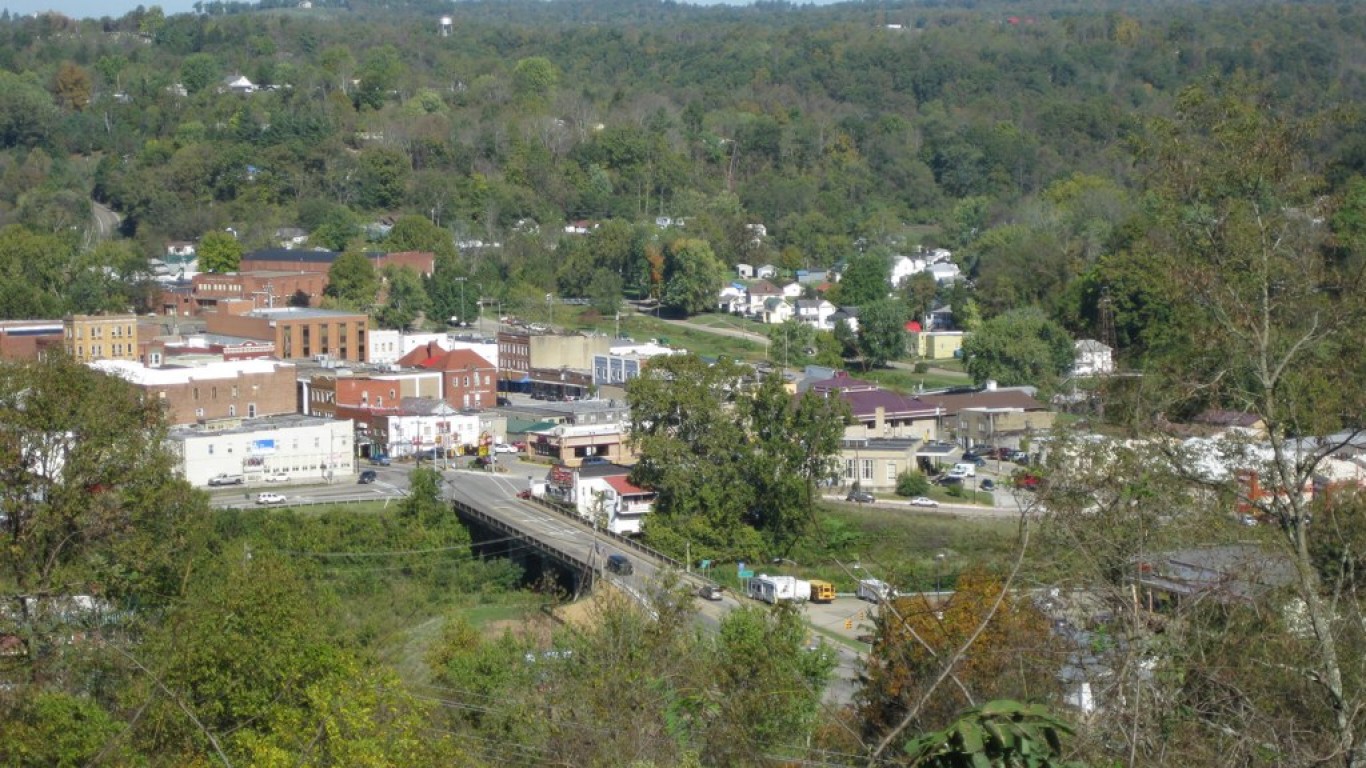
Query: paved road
x,y
106,221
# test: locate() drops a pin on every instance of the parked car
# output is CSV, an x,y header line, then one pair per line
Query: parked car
x,y
277,477
524,494
503,448
368,476
949,479
1027,481
226,479
380,460
987,484
924,501
270,498
620,564
589,461
862,497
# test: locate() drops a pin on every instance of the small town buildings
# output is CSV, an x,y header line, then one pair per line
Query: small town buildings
x,y
330,393
776,311
212,391
879,413
905,266
275,448
815,313
758,294
298,332
875,464
732,298
601,493
299,260
468,380
101,337
744,271
548,365
570,444
1002,418
624,362
30,339
945,272
265,289
424,426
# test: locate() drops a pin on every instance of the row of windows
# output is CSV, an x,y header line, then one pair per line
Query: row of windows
x,y
232,411
97,350
97,332
213,392
455,381
862,469
340,444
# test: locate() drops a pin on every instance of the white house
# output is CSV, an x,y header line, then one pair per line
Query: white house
x,y
766,271
601,493
293,448
1092,358
945,272
905,266
792,291
744,271
776,311
759,293
816,313
425,424
732,298
238,84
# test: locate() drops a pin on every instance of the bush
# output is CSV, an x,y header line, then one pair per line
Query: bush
x,y
912,483
956,491
922,367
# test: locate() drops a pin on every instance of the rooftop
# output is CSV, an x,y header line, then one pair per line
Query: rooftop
x,y
301,313
143,376
259,424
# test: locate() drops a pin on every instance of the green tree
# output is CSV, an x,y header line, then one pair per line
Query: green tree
x,y
534,78
382,177
604,292
405,298
882,332
999,734
912,483
920,291
352,282
219,252
417,233
693,277
1019,347
866,279
199,71
55,728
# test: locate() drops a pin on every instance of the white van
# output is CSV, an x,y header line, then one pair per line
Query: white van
x,y
875,590
964,470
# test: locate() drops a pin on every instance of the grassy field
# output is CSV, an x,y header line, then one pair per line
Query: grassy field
x,y
909,381
698,341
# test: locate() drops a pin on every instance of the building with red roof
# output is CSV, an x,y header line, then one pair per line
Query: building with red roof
x,y
468,380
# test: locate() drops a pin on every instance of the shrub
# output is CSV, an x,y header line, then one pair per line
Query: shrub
x,y
912,483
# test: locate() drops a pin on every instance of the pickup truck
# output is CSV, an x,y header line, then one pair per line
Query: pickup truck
x,y
226,479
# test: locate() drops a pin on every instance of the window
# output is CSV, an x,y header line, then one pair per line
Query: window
x,y
234,390
251,410
199,413
891,471
849,469
867,473
467,381
196,393
232,410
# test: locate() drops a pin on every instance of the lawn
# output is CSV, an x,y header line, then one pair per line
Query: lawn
x,y
695,340
909,381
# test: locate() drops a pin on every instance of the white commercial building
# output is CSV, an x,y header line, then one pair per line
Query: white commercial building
x,y
276,448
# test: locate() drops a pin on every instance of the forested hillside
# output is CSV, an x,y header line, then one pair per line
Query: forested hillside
x,y
1008,130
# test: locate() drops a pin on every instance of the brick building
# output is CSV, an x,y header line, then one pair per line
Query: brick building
x,y
297,332
327,394
101,337
319,262
468,379
218,390
30,339
265,289
546,363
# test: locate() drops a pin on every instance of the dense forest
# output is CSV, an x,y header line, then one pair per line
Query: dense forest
x,y
1185,180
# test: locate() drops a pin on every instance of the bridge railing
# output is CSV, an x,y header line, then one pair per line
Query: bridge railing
x,y
625,542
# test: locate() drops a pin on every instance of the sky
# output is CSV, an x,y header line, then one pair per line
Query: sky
x,y
94,9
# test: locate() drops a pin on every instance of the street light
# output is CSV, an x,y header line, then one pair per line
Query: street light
x,y
464,321
938,565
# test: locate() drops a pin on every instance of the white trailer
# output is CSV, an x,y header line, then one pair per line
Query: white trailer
x,y
778,589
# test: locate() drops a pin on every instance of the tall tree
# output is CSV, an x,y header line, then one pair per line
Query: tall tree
x,y
694,276
882,332
1020,347
405,297
219,252
866,279
352,282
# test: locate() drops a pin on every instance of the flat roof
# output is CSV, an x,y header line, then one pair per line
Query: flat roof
x,y
258,424
287,313
141,375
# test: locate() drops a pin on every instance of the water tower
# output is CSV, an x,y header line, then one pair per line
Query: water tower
x,y
446,23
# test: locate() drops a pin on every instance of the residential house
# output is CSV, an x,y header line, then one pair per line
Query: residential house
x,y
744,271
180,252
811,277
939,319
776,311
815,312
793,290
766,271
732,298
238,84
759,293
846,315
992,417
905,266
945,272
1092,358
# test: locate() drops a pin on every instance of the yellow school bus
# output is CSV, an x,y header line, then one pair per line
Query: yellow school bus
x,y
822,591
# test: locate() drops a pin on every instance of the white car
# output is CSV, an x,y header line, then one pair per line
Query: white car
x,y
503,448
277,477
923,501
270,498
